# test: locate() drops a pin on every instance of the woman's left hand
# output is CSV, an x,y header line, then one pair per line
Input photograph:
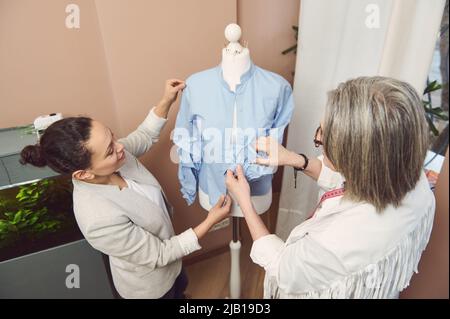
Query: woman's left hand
x,y
238,186
171,89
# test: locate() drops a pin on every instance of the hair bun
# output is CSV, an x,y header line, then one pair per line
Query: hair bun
x,y
32,154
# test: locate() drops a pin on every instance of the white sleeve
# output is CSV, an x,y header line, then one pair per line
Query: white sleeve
x,y
300,267
140,141
188,241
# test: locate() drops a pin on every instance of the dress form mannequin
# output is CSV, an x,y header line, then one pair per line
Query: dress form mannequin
x,y
235,62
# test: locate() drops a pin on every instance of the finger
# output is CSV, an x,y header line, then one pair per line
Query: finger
x,y
240,172
230,177
174,81
179,87
230,173
262,144
258,141
220,201
262,161
228,201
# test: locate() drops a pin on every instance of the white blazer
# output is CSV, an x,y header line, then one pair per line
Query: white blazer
x,y
347,249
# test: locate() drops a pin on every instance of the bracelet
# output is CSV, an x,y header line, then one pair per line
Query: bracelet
x,y
304,165
300,169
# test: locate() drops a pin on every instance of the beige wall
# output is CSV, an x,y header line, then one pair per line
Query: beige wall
x,y
267,26
45,67
432,279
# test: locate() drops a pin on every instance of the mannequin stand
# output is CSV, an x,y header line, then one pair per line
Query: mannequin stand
x,y
235,272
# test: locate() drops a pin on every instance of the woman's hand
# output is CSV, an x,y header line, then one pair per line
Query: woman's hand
x,y
280,156
171,89
238,186
219,212
277,154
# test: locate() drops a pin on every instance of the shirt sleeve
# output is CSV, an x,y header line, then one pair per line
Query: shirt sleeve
x,y
141,140
299,267
188,241
187,138
329,179
283,114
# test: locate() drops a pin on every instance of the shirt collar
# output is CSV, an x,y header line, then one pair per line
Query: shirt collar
x,y
244,78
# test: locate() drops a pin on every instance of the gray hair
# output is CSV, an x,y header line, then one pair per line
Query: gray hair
x,y
375,134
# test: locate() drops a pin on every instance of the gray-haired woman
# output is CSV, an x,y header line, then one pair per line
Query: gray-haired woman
x,y
366,236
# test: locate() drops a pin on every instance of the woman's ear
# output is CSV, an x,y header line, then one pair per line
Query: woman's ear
x,y
82,175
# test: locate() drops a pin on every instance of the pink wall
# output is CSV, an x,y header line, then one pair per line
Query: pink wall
x,y
45,67
267,26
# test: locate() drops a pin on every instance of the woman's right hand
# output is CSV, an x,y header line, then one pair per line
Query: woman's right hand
x,y
220,211
277,154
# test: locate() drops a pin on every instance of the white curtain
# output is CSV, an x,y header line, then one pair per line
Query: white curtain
x,y
340,40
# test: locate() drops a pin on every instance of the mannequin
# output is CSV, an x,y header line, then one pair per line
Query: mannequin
x,y
250,102
235,62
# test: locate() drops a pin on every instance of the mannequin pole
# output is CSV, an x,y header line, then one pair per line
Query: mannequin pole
x,y
236,229
235,272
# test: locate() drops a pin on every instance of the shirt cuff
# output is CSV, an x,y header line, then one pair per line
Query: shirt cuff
x,y
188,241
266,249
154,122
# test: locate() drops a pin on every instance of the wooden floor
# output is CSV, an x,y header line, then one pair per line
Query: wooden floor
x,y
209,278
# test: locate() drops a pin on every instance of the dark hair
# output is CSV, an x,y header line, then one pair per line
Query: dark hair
x,y
62,147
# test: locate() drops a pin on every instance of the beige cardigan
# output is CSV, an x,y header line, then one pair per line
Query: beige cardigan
x,y
144,253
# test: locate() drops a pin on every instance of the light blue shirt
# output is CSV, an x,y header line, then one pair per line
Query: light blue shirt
x,y
203,131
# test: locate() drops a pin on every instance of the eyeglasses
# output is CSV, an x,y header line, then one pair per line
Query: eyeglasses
x,y
316,141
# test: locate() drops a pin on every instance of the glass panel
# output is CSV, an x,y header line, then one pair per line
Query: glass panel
x,y
36,216
435,100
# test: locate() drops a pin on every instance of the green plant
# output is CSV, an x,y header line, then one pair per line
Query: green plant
x,y
25,222
28,215
431,112
30,194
